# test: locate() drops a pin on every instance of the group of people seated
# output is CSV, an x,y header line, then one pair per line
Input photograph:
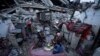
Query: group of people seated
x,y
56,42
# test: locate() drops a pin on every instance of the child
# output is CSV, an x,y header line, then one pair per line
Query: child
x,y
58,48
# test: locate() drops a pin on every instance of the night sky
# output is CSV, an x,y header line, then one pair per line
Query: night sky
x,y
58,3
6,4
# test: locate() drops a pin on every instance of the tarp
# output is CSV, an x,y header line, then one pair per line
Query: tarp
x,y
4,25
